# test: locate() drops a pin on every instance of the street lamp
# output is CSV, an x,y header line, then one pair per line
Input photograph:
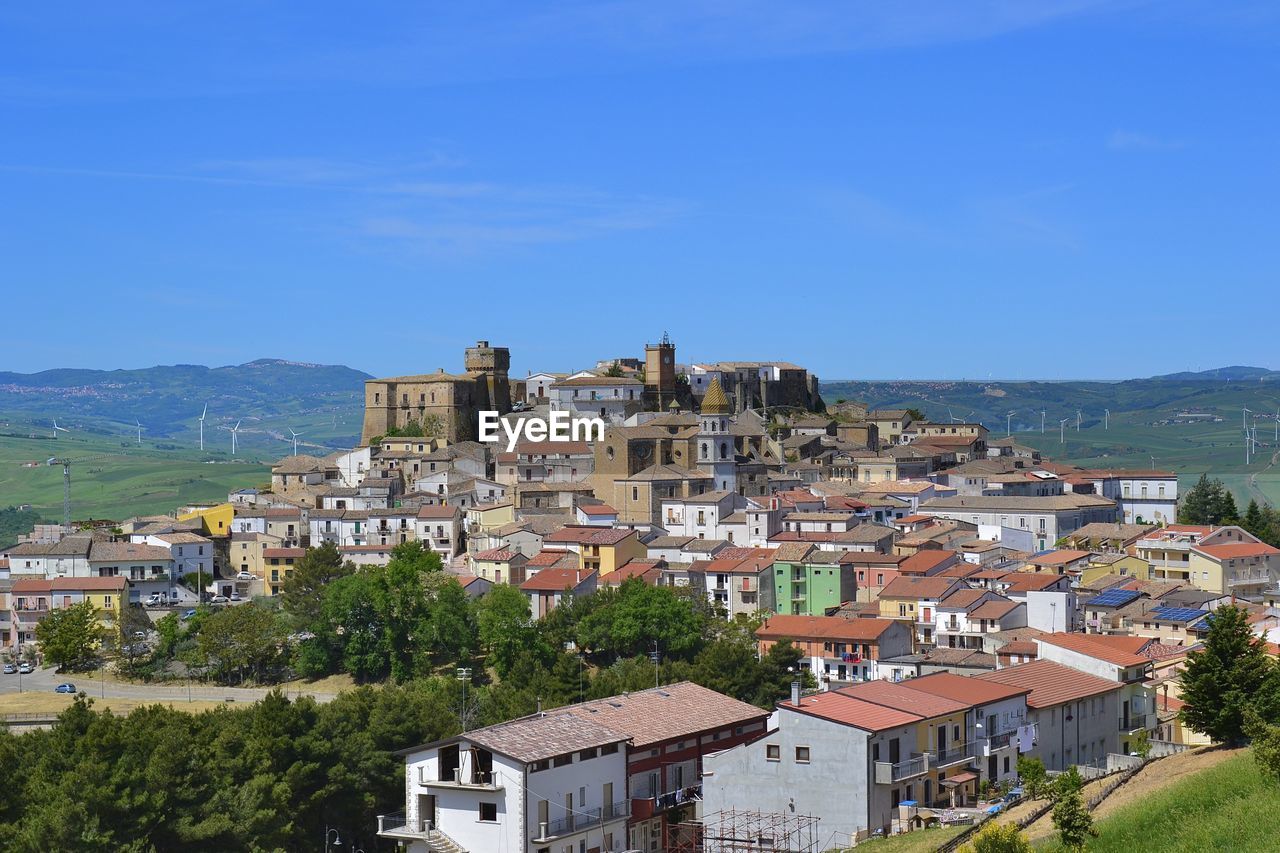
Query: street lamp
x,y
331,833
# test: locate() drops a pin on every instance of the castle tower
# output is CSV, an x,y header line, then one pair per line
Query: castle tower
x,y
490,366
716,454
659,373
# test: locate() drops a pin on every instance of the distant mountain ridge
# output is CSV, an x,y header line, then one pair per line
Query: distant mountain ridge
x,y
168,399
1235,373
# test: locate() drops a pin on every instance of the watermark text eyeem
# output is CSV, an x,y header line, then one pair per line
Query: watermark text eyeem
x,y
560,426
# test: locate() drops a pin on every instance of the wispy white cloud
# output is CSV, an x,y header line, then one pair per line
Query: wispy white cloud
x,y
1129,140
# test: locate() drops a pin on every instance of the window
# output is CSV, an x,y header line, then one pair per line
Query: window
x,y
562,760
489,812
773,752
802,755
609,749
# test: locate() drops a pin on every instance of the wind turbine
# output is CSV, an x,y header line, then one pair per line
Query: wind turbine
x,y
235,429
1077,420
1106,419
1008,422
1244,422
295,440
202,414
1062,430
1277,438
1042,421
57,429
139,423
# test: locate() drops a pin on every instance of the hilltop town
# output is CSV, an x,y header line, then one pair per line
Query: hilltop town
x,y
952,602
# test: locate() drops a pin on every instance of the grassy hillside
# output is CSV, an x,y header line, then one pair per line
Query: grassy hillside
x,y
1226,808
323,402
1144,420
109,480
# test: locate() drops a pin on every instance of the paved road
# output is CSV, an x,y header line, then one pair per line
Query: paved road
x,y
44,680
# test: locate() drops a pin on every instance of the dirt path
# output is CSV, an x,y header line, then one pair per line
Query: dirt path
x,y
1162,774
1152,778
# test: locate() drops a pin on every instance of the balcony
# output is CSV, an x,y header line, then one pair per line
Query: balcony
x,y
583,819
397,826
888,773
671,799
1137,722
477,781
1250,580
955,755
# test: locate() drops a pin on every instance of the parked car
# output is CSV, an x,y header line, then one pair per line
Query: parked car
x,y
10,669
245,576
139,635
187,614
218,599
65,687
235,595
26,668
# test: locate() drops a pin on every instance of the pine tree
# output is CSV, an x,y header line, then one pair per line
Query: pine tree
x,y
1195,503
1072,820
1232,673
1253,520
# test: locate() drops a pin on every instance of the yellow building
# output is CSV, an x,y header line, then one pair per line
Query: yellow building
x,y
1125,565
485,517
37,597
599,549
214,520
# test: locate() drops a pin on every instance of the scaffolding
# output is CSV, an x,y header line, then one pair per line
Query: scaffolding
x,y
746,831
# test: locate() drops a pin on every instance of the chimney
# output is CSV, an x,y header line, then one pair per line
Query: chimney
x,y
795,693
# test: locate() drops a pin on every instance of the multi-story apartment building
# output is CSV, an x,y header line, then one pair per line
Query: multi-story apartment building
x,y
1047,518
849,757
835,649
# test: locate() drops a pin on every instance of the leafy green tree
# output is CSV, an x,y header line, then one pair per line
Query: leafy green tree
x,y
1035,779
998,837
70,636
1253,520
636,617
1208,502
239,640
915,414
1065,784
505,626
1141,745
1072,820
303,594
1264,739
1231,673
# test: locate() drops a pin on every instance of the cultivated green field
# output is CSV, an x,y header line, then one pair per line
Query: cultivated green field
x,y
116,479
1228,807
1189,449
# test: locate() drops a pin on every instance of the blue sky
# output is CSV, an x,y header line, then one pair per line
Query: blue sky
x,y
1060,188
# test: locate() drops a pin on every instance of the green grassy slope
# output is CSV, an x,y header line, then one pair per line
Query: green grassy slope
x,y
1228,807
115,479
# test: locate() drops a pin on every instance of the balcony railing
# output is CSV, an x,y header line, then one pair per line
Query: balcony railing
x,y
888,773
1137,721
583,819
671,799
480,780
397,825
955,755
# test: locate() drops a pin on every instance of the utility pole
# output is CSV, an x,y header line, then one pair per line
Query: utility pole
x,y
656,658
66,489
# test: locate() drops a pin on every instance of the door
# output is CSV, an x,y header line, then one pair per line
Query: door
x,y
427,811
942,739
895,754
1126,713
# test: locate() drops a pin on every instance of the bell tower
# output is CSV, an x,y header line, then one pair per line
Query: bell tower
x,y
659,373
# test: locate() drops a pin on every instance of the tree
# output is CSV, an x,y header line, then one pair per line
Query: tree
x,y
1253,520
1035,778
915,414
1141,745
237,640
1265,740
614,371
1208,502
1231,673
1072,820
505,626
70,636
1066,784
996,837
303,593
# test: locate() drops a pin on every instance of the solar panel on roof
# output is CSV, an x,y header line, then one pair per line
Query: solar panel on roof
x,y
1114,598
1179,614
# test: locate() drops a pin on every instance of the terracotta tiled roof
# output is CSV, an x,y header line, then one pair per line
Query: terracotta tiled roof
x,y
903,698
841,708
1051,683
859,630
555,579
532,739
1118,650
963,688
918,587
1235,550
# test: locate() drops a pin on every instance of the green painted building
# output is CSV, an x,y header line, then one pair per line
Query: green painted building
x,y
812,585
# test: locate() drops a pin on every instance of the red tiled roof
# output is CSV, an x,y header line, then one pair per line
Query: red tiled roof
x,y
860,630
1051,683
965,689
496,555
598,509
918,587
283,552
923,562
1058,558
555,580
1234,550
846,710
588,535
903,698
1118,650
